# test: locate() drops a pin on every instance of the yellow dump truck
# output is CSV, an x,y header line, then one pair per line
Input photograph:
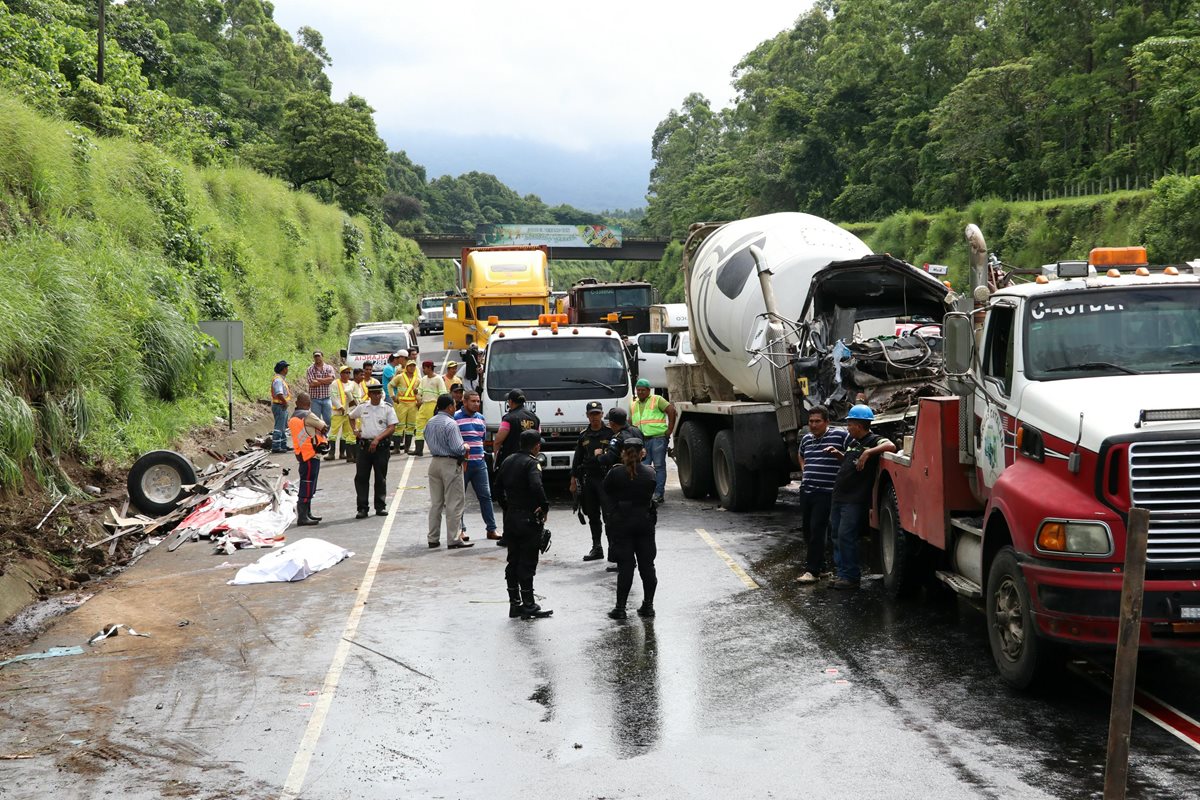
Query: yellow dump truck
x,y
496,284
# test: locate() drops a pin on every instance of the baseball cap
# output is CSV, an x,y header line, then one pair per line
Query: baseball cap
x,y
642,383
281,365
633,443
616,415
345,368
595,405
374,386
451,365
426,363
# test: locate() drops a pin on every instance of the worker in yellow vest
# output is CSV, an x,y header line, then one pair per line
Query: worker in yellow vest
x,y
403,389
429,389
281,397
345,397
308,439
656,419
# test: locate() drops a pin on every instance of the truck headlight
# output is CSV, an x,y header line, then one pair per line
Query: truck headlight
x,y
1074,537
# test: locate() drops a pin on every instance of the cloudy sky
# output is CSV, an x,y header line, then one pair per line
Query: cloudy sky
x,y
559,99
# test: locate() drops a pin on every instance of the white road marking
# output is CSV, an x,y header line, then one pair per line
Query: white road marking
x,y
308,744
728,559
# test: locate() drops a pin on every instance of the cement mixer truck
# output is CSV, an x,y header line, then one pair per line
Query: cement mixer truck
x,y
820,313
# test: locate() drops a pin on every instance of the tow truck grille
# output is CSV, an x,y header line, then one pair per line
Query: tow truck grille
x,y
1164,478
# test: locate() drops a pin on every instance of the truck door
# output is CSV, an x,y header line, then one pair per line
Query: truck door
x,y
653,358
994,401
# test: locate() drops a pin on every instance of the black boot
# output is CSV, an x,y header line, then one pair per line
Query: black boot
x,y
514,601
420,447
618,613
595,554
646,610
302,516
352,453
408,437
530,609
313,519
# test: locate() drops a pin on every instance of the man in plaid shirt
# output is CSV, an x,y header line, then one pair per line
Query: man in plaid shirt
x,y
320,378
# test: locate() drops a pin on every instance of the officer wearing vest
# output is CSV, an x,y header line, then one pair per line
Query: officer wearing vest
x,y
404,398
655,417
281,396
587,475
307,439
519,491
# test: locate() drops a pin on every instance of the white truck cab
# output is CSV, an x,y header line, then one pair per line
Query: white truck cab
x,y
560,368
656,350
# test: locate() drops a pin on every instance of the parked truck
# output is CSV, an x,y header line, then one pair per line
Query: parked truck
x,y
740,416
495,284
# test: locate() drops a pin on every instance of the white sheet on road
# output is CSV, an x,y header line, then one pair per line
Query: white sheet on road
x,y
295,562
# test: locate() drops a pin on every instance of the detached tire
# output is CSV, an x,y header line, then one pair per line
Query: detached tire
x,y
735,484
1021,656
693,457
157,479
899,550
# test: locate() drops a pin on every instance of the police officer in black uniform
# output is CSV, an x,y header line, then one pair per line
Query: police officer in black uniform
x,y
517,419
518,489
629,495
587,474
619,430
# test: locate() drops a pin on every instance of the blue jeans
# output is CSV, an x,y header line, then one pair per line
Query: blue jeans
x,y
323,408
279,433
846,522
476,476
656,456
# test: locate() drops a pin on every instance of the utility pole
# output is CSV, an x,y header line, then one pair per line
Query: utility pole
x,y
100,45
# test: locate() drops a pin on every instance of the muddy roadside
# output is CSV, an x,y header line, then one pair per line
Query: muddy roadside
x,y
49,570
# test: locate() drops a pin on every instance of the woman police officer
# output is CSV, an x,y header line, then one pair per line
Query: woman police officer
x,y
628,494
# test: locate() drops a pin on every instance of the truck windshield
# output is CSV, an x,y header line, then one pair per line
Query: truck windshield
x,y
553,367
431,302
1113,332
365,344
616,297
511,312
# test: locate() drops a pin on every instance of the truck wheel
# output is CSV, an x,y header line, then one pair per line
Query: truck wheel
x,y
1012,634
156,481
898,549
735,484
766,490
693,457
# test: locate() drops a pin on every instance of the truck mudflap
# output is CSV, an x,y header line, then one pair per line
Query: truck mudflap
x,y
1084,607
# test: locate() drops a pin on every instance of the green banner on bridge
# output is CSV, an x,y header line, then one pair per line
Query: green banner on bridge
x,y
550,235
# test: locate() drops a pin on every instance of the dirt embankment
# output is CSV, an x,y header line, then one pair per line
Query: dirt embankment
x,y
38,562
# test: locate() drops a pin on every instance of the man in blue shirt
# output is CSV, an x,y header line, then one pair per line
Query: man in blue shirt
x,y
819,469
473,429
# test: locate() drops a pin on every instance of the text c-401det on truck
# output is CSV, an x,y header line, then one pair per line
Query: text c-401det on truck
x,y
1049,410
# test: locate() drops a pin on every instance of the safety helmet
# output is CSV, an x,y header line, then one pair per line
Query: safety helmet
x,y
861,412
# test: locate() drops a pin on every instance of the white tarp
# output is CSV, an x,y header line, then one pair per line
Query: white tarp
x,y
295,562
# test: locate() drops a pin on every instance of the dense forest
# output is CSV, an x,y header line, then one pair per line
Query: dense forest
x,y
219,82
868,107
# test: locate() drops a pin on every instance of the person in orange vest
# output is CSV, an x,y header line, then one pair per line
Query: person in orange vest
x,y
281,396
404,400
308,439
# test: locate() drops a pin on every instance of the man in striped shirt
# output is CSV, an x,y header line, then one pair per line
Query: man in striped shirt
x,y
320,377
473,428
819,472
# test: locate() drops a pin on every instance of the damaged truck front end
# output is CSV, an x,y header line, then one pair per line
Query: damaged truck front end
x,y
870,332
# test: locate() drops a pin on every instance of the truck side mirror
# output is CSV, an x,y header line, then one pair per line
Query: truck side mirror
x,y
959,343
343,355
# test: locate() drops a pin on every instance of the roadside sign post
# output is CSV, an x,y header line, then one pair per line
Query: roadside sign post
x,y
1116,767
228,333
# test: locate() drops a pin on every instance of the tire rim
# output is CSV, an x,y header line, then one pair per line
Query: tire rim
x,y
887,539
1008,618
161,483
721,473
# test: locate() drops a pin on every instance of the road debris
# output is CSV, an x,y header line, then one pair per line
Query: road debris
x,y
295,562
113,630
53,652
53,508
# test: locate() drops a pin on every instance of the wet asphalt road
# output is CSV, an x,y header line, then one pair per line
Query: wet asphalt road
x,y
430,691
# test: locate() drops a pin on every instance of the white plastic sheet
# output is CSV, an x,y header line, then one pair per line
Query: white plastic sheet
x,y
295,562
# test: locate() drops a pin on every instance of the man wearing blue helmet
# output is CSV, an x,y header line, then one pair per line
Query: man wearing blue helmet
x,y
852,492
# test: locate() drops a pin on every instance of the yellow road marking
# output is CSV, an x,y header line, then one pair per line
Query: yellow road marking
x,y
308,744
728,559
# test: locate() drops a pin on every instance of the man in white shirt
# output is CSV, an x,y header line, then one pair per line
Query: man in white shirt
x,y
374,423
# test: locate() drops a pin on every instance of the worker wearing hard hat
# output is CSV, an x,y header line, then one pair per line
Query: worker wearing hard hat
x,y
451,377
430,387
404,399
655,417
345,398
852,491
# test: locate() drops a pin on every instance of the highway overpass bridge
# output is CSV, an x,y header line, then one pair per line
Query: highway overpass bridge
x,y
450,245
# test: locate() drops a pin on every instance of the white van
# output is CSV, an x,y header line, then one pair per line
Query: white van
x,y
375,341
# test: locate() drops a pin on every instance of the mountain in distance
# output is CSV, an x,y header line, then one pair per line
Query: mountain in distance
x,y
613,178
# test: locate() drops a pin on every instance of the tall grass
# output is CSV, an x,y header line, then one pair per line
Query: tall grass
x,y
110,251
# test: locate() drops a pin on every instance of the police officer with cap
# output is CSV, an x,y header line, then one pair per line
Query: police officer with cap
x,y
512,424
519,491
629,494
375,422
587,475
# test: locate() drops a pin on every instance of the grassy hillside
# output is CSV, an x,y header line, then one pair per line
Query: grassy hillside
x,y
110,251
